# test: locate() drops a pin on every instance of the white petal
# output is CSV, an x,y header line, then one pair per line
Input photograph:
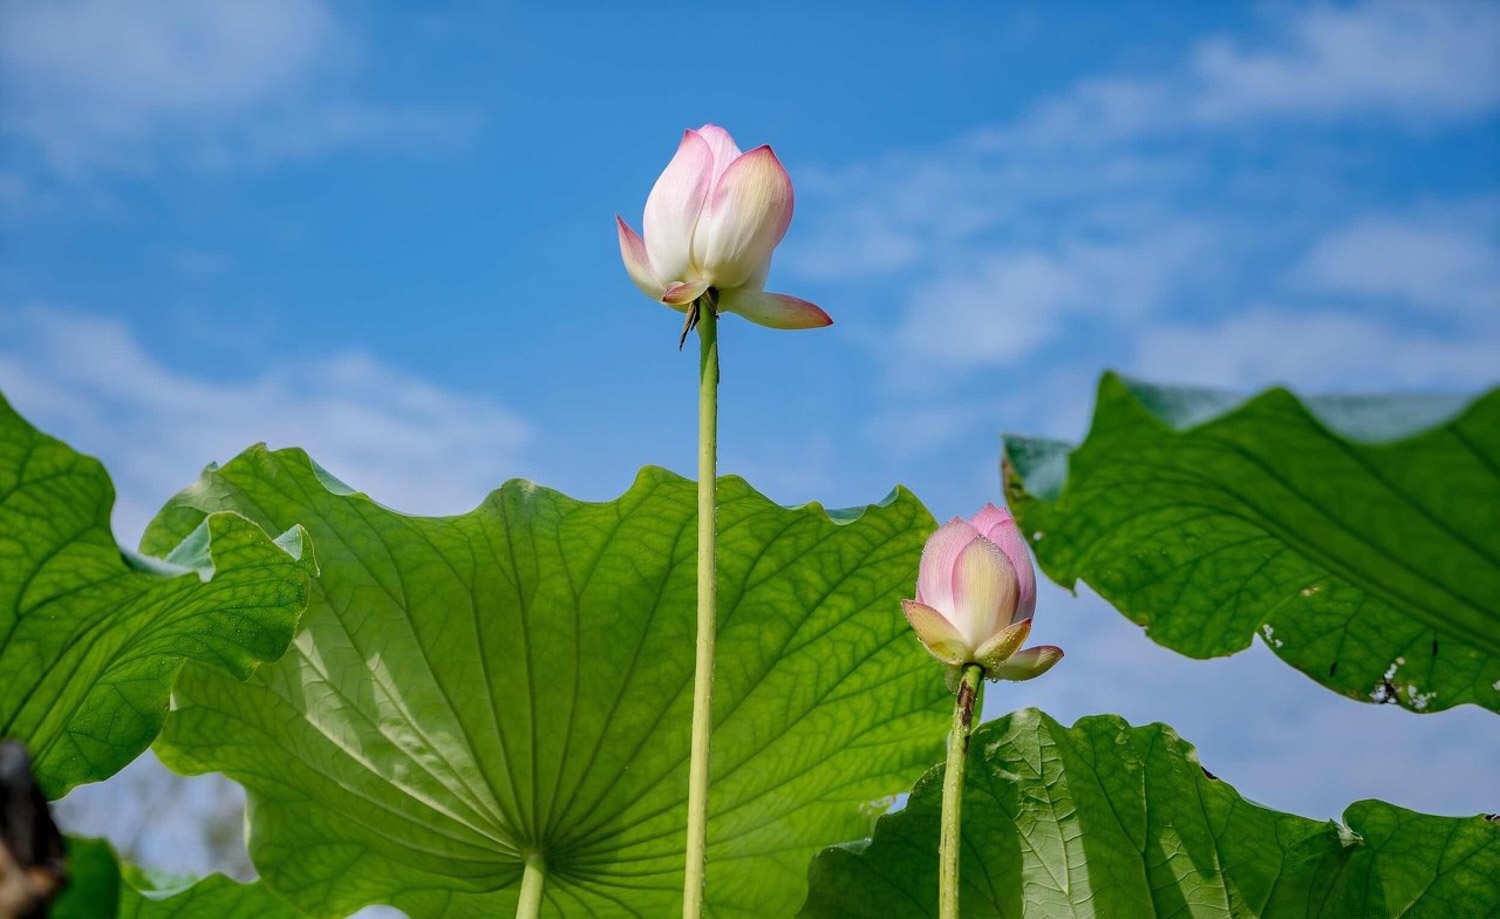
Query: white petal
x,y
723,146
743,220
674,206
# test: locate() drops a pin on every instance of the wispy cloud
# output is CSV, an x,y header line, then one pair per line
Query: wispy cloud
x,y
1439,262
1410,64
1407,60
1139,219
1318,351
93,85
405,441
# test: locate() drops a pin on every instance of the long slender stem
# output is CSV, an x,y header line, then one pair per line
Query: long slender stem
x,y
529,906
950,842
703,672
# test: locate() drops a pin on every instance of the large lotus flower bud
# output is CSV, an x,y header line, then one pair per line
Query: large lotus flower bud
x,y
711,223
976,592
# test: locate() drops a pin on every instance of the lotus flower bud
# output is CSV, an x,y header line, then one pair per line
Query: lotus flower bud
x,y
976,592
711,223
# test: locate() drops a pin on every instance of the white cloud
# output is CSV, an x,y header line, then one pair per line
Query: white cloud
x,y
1014,301
405,441
910,433
1437,265
1096,112
109,85
1004,310
1133,197
1316,351
1413,63
1416,60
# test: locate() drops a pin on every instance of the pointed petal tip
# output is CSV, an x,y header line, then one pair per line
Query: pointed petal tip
x,y
683,292
1028,664
744,219
762,150
989,517
936,633
994,653
637,262
767,157
775,311
712,132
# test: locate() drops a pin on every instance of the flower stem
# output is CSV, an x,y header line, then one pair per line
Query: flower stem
x,y
529,906
950,841
703,672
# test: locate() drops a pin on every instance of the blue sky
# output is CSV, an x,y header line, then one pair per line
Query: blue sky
x,y
386,233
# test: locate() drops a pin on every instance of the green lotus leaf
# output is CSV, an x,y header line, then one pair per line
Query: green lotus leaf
x,y
470,690
91,636
100,887
1357,536
1112,821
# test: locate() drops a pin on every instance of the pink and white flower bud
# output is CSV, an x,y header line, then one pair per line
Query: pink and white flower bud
x,y
712,221
976,593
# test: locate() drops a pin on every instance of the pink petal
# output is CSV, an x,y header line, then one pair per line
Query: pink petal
x,y
935,575
778,311
674,206
938,635
984,591
988,517
1028,664
723,146
684,293
999,527
637,263
743,219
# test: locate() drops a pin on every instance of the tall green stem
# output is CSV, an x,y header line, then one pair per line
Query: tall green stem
x,y
950,842
529,906
703,672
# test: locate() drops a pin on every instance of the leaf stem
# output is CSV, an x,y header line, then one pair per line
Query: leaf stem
x,y
703,672
529,906
950,841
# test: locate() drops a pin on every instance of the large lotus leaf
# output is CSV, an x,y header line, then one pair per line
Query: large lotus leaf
x,y
1360,537
91,636
1107,820
517,679
101,888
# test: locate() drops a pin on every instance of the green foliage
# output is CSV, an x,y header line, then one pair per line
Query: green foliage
x,y
1358,537
469,689
101,888
91,637
1107,820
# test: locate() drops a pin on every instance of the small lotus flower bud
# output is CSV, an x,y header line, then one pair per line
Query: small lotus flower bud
x,y
711,222
976,593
